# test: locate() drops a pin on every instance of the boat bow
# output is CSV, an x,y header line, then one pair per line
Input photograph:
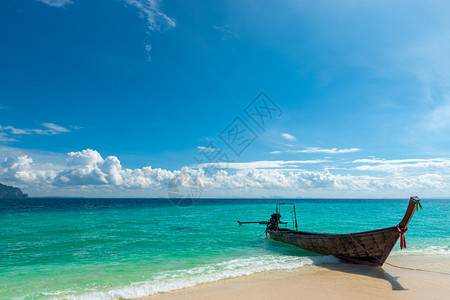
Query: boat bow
x,y
414,204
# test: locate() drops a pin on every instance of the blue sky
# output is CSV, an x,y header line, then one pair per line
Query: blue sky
x,y
122,97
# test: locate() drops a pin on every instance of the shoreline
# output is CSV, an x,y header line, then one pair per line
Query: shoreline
x,y
331,280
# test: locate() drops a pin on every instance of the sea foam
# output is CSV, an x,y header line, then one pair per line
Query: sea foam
x,y
431,250
173,280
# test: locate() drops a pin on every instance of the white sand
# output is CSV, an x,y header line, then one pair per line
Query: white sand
x,y
332,281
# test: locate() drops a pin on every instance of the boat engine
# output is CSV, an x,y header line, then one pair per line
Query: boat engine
x,y
273,222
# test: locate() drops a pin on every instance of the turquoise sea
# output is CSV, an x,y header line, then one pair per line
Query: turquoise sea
x,y
112,248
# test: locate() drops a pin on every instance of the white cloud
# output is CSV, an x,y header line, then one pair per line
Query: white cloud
x,y
330,151
88,173
395,161
56,3
201,148
148,49
275,152
4,138
50,129
21,169
263,164
150,10
406,167
87,167
288,137
14,130
55,129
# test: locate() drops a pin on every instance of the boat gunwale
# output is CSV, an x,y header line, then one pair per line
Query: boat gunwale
x,y
306,234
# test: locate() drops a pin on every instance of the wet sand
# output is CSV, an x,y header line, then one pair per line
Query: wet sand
x,y
332,281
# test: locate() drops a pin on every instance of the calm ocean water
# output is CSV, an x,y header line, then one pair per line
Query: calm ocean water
x,y
111,248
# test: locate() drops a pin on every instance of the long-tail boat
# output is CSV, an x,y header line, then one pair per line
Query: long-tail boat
x,y
368,247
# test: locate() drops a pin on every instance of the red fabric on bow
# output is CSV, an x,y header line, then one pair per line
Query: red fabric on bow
x,y
402,236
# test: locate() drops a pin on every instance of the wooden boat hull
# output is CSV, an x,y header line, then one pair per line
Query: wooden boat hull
x,y
368,247
371,247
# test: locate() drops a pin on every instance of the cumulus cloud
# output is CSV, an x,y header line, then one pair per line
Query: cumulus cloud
x,y
288,137
87,170
87,167
21,169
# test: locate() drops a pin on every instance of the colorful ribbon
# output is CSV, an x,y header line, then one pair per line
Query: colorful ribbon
x,y
402,236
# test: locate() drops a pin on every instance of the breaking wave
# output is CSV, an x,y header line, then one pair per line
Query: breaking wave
x,y
173,280
431,250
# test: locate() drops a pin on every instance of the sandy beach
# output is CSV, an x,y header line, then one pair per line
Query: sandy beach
x,y
332,281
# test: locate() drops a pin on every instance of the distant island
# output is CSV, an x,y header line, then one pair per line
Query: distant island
x,y
10,192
